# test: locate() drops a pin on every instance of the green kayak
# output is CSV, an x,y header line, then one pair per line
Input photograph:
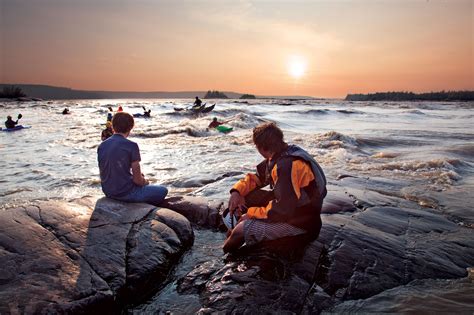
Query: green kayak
x,y
224,129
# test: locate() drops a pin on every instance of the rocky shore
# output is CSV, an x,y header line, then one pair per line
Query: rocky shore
x,y
100,256
80,257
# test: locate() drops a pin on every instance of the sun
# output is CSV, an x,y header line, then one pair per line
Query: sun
x,y
296,66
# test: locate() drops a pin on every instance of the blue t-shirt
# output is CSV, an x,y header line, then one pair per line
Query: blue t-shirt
x,y
115,156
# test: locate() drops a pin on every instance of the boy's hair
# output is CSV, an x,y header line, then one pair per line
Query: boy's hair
x,y
269,137
122,122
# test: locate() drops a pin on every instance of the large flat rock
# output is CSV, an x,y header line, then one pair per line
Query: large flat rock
x,y
369,243
80,257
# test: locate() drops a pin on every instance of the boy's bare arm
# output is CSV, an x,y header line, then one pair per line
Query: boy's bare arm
x,y
138,177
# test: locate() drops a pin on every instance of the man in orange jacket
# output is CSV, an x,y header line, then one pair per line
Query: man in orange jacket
x,y
292,206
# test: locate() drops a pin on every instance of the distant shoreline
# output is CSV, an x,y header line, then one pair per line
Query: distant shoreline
x,y
49,92
443,96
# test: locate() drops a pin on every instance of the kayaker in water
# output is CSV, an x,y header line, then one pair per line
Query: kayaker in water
x,y
215,123
291,208
66,111
9,123
120,109
107,132
119,165
146,113
197,103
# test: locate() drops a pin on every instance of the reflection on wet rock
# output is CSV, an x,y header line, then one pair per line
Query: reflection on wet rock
x,y
81,257
197,210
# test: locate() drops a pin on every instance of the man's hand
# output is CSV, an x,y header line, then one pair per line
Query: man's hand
x,y
236,201
243,218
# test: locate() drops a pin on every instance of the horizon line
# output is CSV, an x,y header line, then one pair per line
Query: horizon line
x,y
228,91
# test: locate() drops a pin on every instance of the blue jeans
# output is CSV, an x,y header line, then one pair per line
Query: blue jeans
x,y
152,194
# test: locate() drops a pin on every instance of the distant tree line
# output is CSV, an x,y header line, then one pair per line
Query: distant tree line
x,y
11,92
215,94
248,97
410,96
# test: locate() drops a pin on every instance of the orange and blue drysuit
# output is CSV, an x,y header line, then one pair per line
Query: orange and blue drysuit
x,y
298,184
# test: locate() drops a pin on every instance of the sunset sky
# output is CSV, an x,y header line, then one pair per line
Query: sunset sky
x,y
314,48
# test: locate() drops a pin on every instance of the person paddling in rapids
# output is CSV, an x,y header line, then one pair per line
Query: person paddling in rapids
x,y
215,123
9,123
197,103
146,113
291,208
110,114
107,132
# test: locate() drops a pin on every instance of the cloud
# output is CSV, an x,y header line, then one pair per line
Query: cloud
x,y
244,18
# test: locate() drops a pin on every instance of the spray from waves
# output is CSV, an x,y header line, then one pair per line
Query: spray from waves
x,y
466,150
244,121
421,165
385,155
332,140
332,148
381,142
231,112
336,140
442,172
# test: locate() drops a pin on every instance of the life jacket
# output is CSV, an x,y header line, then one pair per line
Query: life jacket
x,y
316,197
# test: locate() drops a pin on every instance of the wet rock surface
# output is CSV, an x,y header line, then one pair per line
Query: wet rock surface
x,y
431,296
369,243
197,210
81,257
74,257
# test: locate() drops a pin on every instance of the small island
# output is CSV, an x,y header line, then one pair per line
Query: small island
x,y
449,96
215,94
247,97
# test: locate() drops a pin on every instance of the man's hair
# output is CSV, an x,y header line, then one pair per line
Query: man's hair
x,y
269,137
122,122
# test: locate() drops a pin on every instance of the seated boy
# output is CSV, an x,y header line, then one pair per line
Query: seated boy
x,y
119,165
293,205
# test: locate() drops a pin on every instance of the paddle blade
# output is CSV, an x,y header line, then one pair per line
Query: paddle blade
x,y
19,116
